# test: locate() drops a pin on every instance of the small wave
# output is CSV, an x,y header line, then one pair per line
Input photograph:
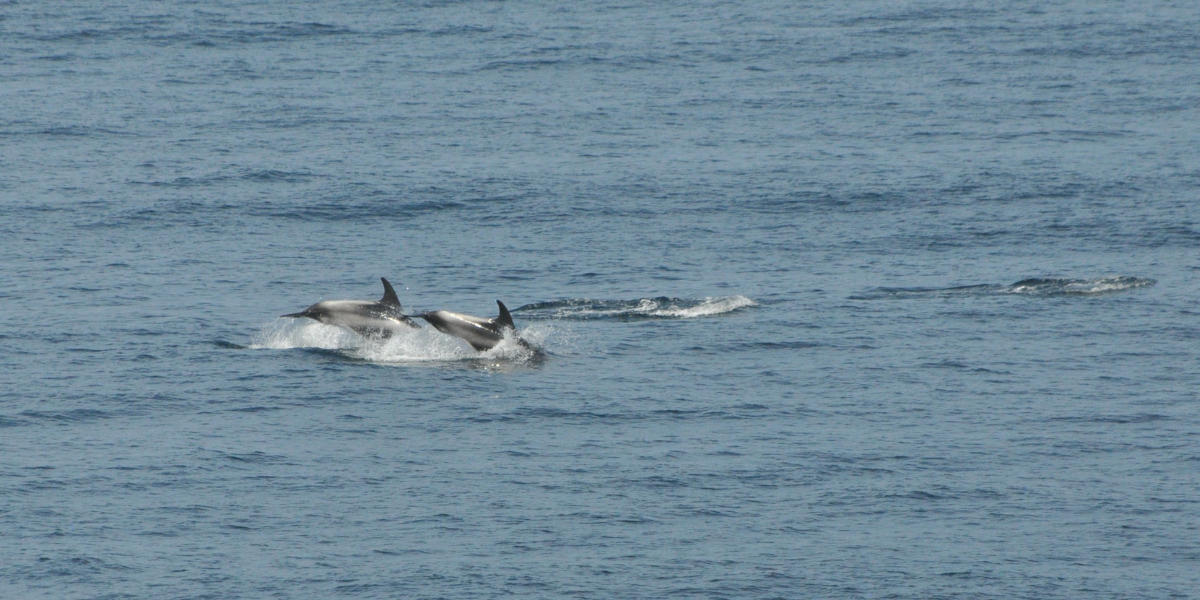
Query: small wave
x,y
921,292
78,415
583,309
372,209
247,175
425,345
1029,287
274,175
11,422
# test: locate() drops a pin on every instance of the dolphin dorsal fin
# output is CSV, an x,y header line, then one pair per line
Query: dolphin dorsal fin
x,y
504,319
389,295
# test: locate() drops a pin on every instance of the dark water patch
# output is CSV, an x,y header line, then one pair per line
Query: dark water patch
x,y
519,274
516,65
178,182
674,413
945,364
920,495
276,176
79,415
662,307
530,414
703,511
142,332
918,292
303,30
752,406
243,176
355,211
454,30
956,365
253,458
254,32
80,131
663,482
11,422
75,568
867,56
406,552
1034,287
255,409
1117,419
919,15
535,414
789,345
437,518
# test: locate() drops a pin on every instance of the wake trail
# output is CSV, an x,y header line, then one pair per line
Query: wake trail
x,y
584,309
1048,287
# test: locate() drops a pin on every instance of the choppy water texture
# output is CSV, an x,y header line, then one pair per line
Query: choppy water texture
x,y
838,300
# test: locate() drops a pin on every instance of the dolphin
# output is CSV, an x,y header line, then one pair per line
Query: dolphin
x,y
370,319
482,334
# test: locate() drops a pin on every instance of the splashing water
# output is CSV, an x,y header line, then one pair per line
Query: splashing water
x,y
425,345
293,333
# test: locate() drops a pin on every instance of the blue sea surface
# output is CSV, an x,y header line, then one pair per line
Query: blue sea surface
x,y
837,300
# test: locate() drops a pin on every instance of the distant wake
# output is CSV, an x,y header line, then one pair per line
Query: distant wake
x,y
583,309
1078,287
1047,287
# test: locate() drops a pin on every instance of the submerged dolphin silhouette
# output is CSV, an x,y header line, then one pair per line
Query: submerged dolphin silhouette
x,y
366,318
482,334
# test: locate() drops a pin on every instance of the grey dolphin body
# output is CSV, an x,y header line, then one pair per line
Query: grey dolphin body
x,y
371,319
482,334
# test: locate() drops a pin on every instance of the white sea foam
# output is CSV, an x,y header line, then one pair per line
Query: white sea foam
x,y
416,346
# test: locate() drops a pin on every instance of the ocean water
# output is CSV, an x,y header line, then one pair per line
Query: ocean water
x,y
837,300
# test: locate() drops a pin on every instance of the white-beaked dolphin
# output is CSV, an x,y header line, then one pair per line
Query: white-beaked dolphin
x,y
482,334
366,318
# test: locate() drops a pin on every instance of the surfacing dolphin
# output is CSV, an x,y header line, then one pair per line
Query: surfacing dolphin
x,y
482,334
366,318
